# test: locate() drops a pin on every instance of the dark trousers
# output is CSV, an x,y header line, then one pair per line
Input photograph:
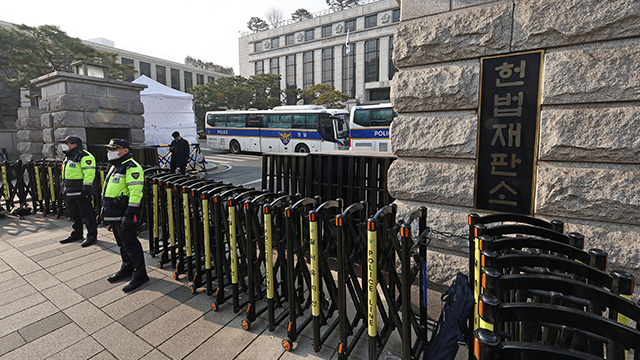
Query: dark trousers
x,y
80,209
183,168
130,251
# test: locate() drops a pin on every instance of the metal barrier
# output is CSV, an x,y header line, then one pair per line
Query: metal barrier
x,y
352,177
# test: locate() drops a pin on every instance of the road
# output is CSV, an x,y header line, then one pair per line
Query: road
x,y
239,169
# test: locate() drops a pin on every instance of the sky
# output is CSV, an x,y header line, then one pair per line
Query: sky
x,y
171,30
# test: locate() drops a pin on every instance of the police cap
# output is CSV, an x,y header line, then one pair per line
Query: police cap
x,y
71,139
118,143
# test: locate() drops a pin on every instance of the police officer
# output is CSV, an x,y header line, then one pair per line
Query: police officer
x,y
121,199
78,173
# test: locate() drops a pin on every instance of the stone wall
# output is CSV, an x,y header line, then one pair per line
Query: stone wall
x,y
73,104
588,172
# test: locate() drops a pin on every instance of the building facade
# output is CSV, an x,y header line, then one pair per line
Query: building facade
x,y
315,51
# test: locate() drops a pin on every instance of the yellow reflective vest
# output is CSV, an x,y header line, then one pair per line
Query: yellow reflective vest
x,y
78,168
123,189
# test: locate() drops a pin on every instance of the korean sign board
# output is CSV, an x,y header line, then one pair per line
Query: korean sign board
x,y
508,122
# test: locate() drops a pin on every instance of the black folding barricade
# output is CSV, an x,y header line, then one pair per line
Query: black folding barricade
x,y
229,270
298,275
191,212
35,186
181,222
150,209
382,255
324,289
255,255
618,337
202,224
275,243
351,246
168,201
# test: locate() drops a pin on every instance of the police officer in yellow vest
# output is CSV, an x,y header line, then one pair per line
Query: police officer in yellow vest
x,y
121,199
78,173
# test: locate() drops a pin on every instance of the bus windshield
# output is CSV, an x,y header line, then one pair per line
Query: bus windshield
x,y
369,127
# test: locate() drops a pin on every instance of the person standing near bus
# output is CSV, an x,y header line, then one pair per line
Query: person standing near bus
x,y
78,173
121,199
179,148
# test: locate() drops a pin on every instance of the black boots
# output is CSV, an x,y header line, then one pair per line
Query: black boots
x,y
122,274
71,238
135,283
89,240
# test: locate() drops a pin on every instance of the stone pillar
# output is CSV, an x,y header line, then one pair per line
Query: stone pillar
x,y
81,105
29,129
588,170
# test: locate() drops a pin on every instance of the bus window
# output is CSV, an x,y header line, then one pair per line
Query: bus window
x,y
361,117
254,121
236,121
381,117
216,120
279,121
342,131
325,127
304,121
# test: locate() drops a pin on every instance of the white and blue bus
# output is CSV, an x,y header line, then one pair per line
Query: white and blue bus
x,y
369,127
283,129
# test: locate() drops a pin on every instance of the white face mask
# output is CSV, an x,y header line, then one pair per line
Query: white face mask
x,y
64,147
113,155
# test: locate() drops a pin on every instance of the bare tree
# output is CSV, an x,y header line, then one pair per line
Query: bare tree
x,y
274,16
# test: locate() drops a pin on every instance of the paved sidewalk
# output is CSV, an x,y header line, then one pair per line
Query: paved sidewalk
x,y
56,303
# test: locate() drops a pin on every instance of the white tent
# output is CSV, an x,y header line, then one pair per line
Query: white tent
x,y
166,110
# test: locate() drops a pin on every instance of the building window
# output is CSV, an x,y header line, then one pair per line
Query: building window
x,y
289,39
370,21
290,76
274,66
145,68
350,25
348,72
211,79
327,66
188,80
307,70
199,79
126,61
395,17
392,68
326,31
371,60
257,46
308,34
175,79
275,42
161,74
259,67
379,95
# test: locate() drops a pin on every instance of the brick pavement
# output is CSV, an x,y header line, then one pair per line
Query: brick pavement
x,y
56,303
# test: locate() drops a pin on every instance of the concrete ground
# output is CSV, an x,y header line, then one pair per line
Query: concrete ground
x,y
57,304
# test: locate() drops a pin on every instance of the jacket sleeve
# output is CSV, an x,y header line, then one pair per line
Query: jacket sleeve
x,y
135,184
88,165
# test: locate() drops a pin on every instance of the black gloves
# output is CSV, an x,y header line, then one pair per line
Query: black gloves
x,y
128,224
87,190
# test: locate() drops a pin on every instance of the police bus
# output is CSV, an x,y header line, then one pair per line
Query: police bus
x,y
369,127
295,128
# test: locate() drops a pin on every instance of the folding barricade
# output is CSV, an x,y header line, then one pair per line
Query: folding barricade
x,y
617,335
255,253
324,289
275,243
351,242
382,257
15,172
203,261
150,209
231,264
35,186
298,275
183,224
193,219
167,220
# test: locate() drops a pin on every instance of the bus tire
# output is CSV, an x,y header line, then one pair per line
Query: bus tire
x,y
302,148
234,147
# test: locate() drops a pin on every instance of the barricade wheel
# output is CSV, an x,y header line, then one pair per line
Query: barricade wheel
x,y
175,276
214,306
287,344
192,289
246,324
160,264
